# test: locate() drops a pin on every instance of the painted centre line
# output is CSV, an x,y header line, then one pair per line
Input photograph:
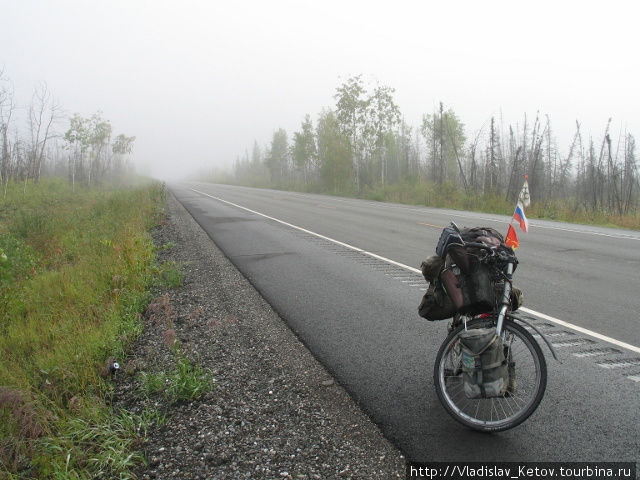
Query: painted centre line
x,y
430,225
557,321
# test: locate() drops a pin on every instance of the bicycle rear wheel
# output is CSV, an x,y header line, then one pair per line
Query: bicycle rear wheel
x,y
527,382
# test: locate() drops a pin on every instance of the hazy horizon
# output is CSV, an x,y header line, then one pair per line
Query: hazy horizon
x,y
198,82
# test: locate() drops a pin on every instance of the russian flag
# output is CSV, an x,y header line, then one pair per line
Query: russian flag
x,y
519,216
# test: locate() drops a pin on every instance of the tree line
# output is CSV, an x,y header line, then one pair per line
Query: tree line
x,y
363,143
86,152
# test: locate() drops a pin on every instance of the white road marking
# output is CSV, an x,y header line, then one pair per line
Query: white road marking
x,y
543,316
601,234
581,330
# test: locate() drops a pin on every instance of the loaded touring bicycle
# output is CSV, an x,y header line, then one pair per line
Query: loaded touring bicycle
x,y
490,373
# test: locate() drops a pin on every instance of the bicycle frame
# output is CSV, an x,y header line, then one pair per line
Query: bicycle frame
x,y
505,301
504,312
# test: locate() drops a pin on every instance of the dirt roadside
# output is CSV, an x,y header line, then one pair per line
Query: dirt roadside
x,y
274,412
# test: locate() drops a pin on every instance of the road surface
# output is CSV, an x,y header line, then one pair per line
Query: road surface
x,y
341,272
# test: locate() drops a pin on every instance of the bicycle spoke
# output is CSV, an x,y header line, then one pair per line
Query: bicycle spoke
x,y
499,402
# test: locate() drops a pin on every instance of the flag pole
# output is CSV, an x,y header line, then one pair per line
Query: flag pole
x,y
524,200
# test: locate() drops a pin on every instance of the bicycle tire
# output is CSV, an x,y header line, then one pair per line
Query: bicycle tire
x,y
510,410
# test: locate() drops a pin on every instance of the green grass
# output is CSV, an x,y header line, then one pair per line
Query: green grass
x,y
152,383
187,381
416,192
169,274
97,443
449,196
74,282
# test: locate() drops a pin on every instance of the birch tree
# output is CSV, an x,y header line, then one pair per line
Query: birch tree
x,y
122,146
382,116
334,153
304,150
278,158
351,111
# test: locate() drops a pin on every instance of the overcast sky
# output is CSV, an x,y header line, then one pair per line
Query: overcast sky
x,y
197,81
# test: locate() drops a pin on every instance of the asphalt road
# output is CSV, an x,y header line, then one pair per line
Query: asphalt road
x,y
358,315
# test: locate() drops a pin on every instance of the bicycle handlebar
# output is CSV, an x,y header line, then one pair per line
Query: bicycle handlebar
x,y
484,246
492,250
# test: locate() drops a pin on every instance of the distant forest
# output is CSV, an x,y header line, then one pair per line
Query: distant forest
x,y
363,147
32,145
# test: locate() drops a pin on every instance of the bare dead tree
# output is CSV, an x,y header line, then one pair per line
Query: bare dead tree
x,y
473,163
614,195
535,176
563,169
7,107
629,169
511,188
43,113
598,174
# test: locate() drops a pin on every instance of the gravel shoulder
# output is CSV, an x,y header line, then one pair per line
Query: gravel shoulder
x,y
274,411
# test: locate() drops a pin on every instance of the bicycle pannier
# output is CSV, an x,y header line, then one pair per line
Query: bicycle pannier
x,y
435,304
485,370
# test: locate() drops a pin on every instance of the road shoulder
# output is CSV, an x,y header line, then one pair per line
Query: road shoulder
x,y
274,412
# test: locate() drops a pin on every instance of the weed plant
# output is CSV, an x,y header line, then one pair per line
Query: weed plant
x,y
186,382
169,274
152,383
75,267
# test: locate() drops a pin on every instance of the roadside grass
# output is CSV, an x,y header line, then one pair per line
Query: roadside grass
x,y
169,274
75,268
151,383
417,192
187,381
453,197
95,443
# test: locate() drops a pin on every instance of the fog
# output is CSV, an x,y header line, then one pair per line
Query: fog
x,y
198,82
